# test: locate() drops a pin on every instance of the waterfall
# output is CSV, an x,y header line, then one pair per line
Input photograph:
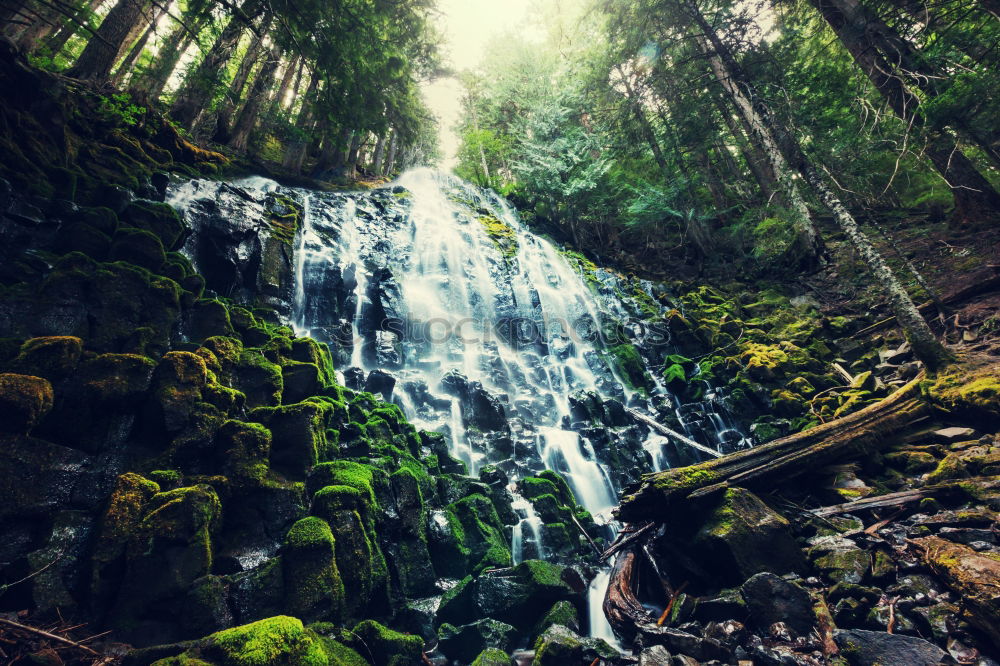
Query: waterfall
x,y
490,333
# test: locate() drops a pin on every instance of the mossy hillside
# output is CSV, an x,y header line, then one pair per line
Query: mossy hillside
x,y
503,236
770,355
67,145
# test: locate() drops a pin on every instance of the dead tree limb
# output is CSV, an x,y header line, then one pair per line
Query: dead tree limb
x,y
945,490
622,608
672,434
861,432
50,636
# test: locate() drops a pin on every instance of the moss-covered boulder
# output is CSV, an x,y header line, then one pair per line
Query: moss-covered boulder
x,y
168,550
275,641
560,645
242,450
138,247
52,357
116,380
385,646
481,532
299,435
177,387
742,536
492,657
24,401
159,219
208,318
562,612
313,586
258,378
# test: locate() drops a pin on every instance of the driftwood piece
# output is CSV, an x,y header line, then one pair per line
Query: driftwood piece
x,y
861,432
624,539
672,434
974,577
622,608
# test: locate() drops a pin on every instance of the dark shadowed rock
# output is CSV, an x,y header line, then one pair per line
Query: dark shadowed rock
x,y
771,599
872,648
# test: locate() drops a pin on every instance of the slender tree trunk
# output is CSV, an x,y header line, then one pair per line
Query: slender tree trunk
x,y
278,100
352,155
635,105
200,86
71,26
230,104
256,99
102,50
723,66
393,147
975,199
925,345
295,151
13,13
753,155
126,65
479,142
379,154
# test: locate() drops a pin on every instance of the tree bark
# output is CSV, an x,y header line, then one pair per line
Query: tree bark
x,y
278,99
102,50
45,20
974,197
247,119
635,106
757,120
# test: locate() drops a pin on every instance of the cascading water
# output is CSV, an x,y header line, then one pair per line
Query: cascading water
x,y
434,294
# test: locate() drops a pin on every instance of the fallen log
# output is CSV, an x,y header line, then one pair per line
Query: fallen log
x,y
944,490
974,577
855,434
624,539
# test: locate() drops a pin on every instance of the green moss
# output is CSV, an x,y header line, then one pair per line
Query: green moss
x,y
562,612
628,364
258,378
165,478
482,532
116,379
137,247
502,235
565,494
159,219
280,640
388,647
492,657
299,431
313,585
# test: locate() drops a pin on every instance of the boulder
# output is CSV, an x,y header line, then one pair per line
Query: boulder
x,y
839,559
743,536
870,648
464,643
24,400
771,599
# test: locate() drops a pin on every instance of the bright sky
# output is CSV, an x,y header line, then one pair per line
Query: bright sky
x,y
467,25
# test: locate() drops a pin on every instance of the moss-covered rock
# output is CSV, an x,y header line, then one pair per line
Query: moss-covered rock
x,y
52,357
177,387
492,657
562,612
314,588
464,643
159,219
388,647
242,450
258,378
299,435
24,401
119,380
208,318
482,532
138,247
742,536
275,641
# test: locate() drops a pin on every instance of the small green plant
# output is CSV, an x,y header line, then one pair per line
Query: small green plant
x,y
119,108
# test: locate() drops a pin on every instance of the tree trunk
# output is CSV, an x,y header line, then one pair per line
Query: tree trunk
x,y
71,26
635,105
247,119
379,154
757,120
225,118
393,147
278,100
126,65
43,21
295,152
102,50
201,85
352,155
990,6
753,155
925,345
974,197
